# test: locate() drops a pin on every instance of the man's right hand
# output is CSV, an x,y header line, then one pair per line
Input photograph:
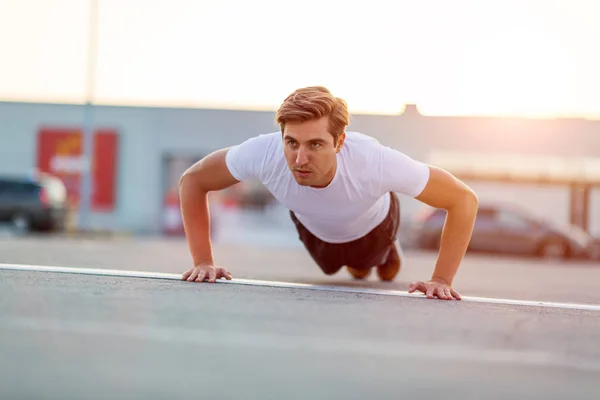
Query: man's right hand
x,y
201,273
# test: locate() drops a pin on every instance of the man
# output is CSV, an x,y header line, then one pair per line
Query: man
x,y
340,189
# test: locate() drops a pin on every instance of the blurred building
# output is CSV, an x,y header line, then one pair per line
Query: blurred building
x,y
151,147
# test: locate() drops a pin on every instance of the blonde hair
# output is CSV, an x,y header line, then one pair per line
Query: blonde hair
x,y
314,102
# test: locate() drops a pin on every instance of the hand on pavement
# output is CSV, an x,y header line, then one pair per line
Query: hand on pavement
x,y
435,287
200,273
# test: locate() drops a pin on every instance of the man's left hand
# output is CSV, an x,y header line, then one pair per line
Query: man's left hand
x,y
435,287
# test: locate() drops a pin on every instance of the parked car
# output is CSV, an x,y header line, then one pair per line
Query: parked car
x,y
507,229
33,204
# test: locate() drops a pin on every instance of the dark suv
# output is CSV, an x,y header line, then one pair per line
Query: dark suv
x,y
37,204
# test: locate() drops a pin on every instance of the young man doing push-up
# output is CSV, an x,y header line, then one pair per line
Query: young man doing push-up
x,y
340,188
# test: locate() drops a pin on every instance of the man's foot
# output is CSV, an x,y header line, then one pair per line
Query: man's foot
x,y
359,273
388,270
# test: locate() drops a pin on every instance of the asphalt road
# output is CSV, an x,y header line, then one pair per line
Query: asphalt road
x,y
500,277
75,336
65,336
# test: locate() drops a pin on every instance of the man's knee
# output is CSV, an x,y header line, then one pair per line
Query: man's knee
x,y
330,270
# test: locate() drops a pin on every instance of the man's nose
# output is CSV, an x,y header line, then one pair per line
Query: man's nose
x,y
301,156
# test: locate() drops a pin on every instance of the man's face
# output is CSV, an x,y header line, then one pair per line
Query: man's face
x,y
310,152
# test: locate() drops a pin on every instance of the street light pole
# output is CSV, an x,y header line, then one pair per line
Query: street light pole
x,y
87,151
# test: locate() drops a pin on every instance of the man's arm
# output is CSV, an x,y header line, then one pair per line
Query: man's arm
x,y
445,191
209,174
439,189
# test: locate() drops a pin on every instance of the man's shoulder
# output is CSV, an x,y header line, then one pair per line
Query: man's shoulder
x,y
267,147
255,156
258,144
271,135
359,151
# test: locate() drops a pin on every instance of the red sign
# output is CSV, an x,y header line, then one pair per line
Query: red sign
x,y
59,153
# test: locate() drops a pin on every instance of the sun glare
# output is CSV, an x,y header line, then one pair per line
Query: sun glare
x,y
517,72
465,57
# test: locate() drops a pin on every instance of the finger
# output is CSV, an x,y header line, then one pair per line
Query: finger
x,y
225,274
212,275
201,276
193,275
439,292
420,286
429,292
456,295
448,294
186,274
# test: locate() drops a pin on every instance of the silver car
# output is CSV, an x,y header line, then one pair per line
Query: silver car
x,y
506,229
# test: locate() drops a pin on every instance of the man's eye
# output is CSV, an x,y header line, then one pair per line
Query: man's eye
x,y
315,145
291,143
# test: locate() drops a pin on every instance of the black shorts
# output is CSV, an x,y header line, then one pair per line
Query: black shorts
x,y
365,252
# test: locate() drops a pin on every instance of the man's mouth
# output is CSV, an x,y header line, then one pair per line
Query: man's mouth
x,y
303,172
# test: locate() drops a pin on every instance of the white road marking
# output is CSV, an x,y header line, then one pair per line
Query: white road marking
x,y
291,285
199,338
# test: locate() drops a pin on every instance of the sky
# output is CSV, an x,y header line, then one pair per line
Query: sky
x,y
450,57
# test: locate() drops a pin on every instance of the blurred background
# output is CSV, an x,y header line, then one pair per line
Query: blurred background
x,y
104,104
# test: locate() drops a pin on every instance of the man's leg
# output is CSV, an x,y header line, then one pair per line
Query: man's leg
x,y
388,270
359,273
380,248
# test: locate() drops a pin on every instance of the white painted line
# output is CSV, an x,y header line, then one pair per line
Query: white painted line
x,y
90,271
291,285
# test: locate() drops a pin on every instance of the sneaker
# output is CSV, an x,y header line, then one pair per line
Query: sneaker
x,y
388,270
359,273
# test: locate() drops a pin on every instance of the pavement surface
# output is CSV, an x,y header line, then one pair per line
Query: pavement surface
x,y
80,336
96,337
502,277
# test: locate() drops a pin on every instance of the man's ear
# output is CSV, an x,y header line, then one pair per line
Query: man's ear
x,y
340,142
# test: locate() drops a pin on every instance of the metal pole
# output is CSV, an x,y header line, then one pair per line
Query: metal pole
x,y
87,151
585,208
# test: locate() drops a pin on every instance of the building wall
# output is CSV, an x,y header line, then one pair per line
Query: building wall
x,y
148,135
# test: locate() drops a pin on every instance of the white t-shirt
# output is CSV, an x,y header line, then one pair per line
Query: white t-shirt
x,y
355,201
